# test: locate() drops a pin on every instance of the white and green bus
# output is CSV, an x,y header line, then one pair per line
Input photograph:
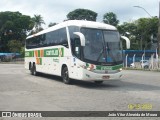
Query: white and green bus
x,y
76,49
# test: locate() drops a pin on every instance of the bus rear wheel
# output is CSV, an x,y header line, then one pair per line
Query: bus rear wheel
x,y
33,70
65,76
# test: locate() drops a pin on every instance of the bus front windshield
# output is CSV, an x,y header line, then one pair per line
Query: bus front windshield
x,y
102,46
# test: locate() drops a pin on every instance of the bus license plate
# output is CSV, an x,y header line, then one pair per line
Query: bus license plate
x,y
105,77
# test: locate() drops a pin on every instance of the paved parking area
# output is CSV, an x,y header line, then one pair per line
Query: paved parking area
x,y
20,91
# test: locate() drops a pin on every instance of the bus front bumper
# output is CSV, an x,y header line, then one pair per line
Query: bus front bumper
x,y
89,75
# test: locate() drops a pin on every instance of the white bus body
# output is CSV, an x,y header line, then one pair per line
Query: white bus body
x,y
76,49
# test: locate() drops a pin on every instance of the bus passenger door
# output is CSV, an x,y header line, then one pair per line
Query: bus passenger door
x,y
76,50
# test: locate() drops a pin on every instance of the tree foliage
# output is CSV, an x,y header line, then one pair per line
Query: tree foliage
x,y
52,24
38,21
129,30
82,14
140,30
110,18
14,46
13,26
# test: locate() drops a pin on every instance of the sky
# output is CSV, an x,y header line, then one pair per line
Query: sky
x,y
56,10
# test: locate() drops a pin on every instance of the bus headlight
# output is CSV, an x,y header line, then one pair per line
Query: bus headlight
x,y
120,70
90,68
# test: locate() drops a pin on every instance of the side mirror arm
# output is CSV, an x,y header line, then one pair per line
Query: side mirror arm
x,y
82,38
127,41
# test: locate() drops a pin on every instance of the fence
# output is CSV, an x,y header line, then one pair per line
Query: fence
x,y
142,62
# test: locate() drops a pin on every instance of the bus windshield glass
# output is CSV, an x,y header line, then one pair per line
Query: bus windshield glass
x,y
102,46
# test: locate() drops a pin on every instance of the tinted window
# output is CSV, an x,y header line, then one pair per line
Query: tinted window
x,y
73,29
57,37
75,42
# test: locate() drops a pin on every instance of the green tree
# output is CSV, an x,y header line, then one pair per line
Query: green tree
x,y
22,51
140,32
52,24
110,18
13,26
145,28
38,21
14,46
82,14
129,30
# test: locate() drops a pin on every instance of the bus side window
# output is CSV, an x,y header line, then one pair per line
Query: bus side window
x,y
63,37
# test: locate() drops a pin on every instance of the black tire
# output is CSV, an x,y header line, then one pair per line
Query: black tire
x,y
146,67
98,82
65,76
33,70
30,68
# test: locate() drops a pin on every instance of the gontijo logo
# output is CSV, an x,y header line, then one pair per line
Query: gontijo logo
x,y
54,52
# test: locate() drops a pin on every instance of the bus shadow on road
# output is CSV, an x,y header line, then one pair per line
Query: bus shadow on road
x,y
50,77
78,83
92,85
116,85
113,85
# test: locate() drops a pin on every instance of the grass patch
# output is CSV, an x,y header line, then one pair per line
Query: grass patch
x,y
155,70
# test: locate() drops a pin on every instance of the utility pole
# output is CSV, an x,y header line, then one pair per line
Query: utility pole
x,y
159,33
141,41
144,10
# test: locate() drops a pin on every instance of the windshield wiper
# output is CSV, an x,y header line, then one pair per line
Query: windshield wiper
x,y
100,54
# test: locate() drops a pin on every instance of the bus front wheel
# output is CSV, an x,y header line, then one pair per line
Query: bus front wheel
x,y
65,76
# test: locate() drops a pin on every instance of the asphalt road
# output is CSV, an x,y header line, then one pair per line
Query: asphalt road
x,y
20,91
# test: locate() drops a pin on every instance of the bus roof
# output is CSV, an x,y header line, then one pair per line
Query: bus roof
x,y
80,23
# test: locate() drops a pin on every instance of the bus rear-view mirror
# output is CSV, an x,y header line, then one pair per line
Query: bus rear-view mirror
x,y
127,41
82,38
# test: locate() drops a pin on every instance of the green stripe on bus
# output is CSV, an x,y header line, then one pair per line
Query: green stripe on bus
x,y
87,65
39,53
117,67
55,52
98,67
62,52
29,54
40,61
